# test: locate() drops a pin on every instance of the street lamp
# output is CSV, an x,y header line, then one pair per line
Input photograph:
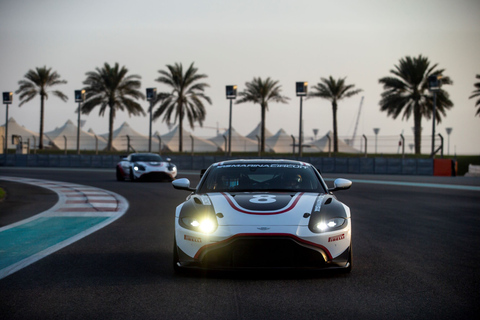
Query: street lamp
x,y
301,89
434,86
449,130
151,96
7,99
231,92
376,131
315,132
79,97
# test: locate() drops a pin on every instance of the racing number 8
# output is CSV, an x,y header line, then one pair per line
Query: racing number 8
x,y
263,198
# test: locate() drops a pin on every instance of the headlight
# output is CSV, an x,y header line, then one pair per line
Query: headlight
x,y
138,167
330,224
201,224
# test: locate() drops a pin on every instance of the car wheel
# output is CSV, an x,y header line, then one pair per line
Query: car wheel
x,y
120,176
132,176
176,268
349,261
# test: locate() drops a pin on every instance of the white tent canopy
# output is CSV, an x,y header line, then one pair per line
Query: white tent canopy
x,y
68,133
321,145
280,142
171,140
257,132
15,129
239,142
120,137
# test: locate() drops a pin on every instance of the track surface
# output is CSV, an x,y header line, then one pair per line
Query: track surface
x,y
415,257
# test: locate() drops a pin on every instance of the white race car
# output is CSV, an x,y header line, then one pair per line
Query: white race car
x,y
145,166
262,214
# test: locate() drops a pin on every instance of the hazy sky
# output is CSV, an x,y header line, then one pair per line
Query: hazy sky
x,y
234,41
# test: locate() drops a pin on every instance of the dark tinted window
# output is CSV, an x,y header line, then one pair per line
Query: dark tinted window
x,y
146,158
261,176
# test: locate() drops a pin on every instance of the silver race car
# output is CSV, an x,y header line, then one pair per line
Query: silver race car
x,y
145,166
262,214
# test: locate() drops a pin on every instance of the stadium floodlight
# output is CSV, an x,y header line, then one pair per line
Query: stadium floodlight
x,y
301,89
80,98
231,92
7,99
152,97
434,85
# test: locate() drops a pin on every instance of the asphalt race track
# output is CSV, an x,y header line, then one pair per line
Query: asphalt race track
x,y
416,256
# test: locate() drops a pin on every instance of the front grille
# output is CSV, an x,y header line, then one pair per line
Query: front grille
x,y
263,252
156,176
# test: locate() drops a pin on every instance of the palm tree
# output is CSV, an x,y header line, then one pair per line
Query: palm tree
x,y
185,98
408,93
334,91
476,93
38,81
262,92
111,88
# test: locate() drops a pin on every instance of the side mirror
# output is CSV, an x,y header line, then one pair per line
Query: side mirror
x,y
182,184
340,184
168,159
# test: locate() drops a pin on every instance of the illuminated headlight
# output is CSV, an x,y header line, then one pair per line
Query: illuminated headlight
x,y
204,225
330,224
138,167
171,167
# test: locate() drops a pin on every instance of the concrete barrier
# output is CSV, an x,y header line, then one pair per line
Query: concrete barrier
x,y
352,165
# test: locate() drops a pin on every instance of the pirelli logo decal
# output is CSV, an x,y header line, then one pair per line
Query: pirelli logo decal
x,y
193,239
337,238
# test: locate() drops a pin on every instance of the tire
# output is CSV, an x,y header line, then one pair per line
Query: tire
x,y
120,176
176,268
349,261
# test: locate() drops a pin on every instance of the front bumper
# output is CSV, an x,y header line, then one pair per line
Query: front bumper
x,y
262,250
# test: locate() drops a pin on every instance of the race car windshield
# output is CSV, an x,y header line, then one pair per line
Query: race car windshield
x,y
146,158
261,177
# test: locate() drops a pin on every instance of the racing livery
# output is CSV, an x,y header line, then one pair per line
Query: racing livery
x,y
262,214
145,166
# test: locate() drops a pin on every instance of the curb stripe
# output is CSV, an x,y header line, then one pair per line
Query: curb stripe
x,y
27,241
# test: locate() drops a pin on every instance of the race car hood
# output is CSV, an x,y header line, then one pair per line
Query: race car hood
x,y
257,208
151,164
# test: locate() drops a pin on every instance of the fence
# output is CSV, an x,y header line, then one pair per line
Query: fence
x,y
362,145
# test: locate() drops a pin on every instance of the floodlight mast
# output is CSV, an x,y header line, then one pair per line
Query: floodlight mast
x,y
301,89
231,92
434,85
151,96
7,99
80,98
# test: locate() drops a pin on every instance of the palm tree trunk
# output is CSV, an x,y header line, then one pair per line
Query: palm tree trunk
x,y
110,129
262,130
417,119
335,133
42,113
180,134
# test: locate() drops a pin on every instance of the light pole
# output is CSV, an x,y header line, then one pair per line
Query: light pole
x,y
231,92
151,96
79,97
434,87
7,99
301,89
376,131
449,130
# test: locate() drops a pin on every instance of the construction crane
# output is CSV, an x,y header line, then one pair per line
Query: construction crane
x,y
352,141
